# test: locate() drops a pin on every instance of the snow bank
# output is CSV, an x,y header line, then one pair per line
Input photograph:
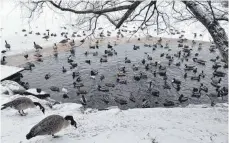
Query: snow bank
x,y
165,125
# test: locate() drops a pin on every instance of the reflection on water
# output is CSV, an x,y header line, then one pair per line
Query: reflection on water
x,y
134,89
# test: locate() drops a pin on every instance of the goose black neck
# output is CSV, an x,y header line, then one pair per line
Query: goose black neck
x,y
70,118
5,41
41,107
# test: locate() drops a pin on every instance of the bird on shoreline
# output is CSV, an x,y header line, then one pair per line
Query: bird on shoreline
x,y
7,45
22,103
37,47
51,125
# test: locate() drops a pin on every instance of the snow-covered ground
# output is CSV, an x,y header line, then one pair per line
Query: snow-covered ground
x,y
193,124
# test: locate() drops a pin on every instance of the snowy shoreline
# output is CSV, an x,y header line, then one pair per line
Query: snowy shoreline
x,y
194,123
202,124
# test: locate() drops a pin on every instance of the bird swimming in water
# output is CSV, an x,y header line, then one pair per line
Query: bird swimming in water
x,y
22,103
51,125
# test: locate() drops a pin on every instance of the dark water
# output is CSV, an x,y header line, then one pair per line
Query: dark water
x,y
139,89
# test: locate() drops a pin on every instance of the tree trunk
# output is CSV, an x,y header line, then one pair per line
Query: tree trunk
x,y
217,32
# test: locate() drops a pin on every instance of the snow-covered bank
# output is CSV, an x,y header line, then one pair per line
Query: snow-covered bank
x,y
165,125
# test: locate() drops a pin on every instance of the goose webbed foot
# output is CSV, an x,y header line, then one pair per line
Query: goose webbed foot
x,y
24,113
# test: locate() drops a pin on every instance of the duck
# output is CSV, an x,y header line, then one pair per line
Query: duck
x,y
70,59
3,61
136,47
176,81
103,60
54,88
7,46
26,56
219,73
182,98
88,61
46,37
36,46
64,41
22,103
185,75
149,57
132,98
121,101
109,46
216,82
143,61
3,51
63,69
51,125
189,67
47,76
73,65
103,89
95,53
196,78
55,47
216,66
204,88
127,60
65,96
121,81
77,85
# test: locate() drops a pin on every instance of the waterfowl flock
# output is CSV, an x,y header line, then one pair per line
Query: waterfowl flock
x,y
170,63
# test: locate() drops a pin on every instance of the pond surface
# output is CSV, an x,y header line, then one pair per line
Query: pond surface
x,y
137,89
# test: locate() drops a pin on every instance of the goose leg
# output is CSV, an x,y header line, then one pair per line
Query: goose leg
x,y
24,113
19,111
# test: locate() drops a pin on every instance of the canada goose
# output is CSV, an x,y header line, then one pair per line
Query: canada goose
x,y
82,41
70,59
202,87
196,78
72,43
73,65
51,125
7,45
47,76
103,89
102,77
55,47
127,60
46,37
26,56
63,69
54,88
36,46
64,41
22,103
176,81
121,81
136,47
109,46
88,61
37,33
65,96
103,60
182,98
3,51
3,61
143,61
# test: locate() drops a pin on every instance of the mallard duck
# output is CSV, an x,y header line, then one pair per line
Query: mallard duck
x,y
196,78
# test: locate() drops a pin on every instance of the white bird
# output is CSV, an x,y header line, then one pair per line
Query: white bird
x,y
51,125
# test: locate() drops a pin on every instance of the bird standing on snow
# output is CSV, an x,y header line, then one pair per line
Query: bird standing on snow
x,y
7,45
51,125
22,103
37,47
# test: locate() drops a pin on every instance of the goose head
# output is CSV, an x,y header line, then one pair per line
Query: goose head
x,y
71,119
41,107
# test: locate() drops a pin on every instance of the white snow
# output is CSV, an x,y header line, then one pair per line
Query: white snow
x,y
7,71
166,125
